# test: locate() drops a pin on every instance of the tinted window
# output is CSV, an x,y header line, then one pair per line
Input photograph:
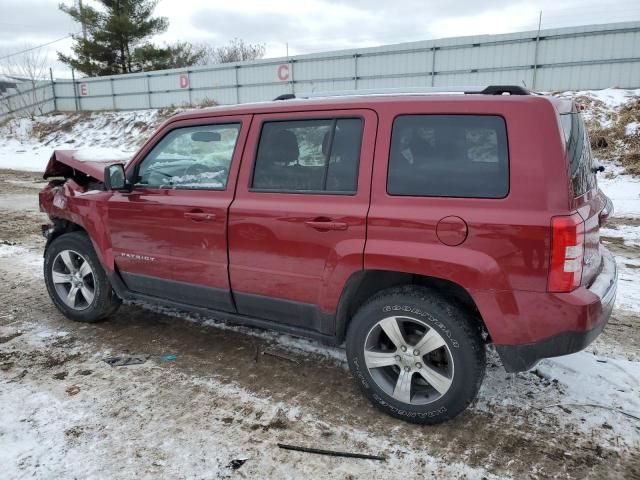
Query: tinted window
x,y
309,155
583,178
449,156
192,157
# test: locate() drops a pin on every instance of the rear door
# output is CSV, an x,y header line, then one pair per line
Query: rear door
x,y
297,227
588,200
169,232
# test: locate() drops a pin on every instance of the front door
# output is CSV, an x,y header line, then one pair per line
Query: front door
x,y
297,226
169,232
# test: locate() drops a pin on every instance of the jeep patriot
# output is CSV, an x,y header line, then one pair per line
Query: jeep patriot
x,y
415,228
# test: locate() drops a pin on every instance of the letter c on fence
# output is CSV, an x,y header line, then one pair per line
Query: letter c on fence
x,y
283,72
184,81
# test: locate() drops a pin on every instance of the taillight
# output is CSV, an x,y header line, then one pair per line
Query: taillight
x,y
567,253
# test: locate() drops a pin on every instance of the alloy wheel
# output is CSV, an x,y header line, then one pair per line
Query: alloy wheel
x,y
73,279
409,360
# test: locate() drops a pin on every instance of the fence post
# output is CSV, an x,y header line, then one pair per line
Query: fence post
x,y
148,91
189,88
292,81
355,71
237,67
113,94
75,91
53,90
433,65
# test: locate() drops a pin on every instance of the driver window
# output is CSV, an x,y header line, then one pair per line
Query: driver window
x,y
191,157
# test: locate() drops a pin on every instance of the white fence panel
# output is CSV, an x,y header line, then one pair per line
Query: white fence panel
x,y
595,56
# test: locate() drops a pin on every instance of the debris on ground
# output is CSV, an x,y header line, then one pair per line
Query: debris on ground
x,y
73,390
8,338
282,356
124,361
236,463
563,406
333,453
168,358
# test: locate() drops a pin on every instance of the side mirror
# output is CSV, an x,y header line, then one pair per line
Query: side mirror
x,y
114,178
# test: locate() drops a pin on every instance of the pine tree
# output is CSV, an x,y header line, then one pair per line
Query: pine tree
x,y
115,39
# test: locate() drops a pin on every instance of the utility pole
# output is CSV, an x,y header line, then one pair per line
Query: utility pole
x,y
535,56
84,26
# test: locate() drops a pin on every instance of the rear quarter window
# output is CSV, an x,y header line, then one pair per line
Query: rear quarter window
x,y
583,178
449,156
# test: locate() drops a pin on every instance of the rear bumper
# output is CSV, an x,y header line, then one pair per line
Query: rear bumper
x,y
517,358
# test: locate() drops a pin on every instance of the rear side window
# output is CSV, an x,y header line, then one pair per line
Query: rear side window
x,y
309,156
583,178
449,156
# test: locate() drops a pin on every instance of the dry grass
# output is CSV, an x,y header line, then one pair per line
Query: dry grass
x,y
612,142
42,130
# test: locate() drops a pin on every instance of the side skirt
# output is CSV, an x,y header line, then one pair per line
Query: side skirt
x,y
227,317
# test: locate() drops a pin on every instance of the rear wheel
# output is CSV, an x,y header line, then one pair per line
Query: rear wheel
x,y
76,281
415,356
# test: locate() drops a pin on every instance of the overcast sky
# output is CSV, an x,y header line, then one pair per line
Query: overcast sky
x,y
310,26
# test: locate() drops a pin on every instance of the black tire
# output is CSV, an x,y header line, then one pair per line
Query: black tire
x,y
464,346
104,302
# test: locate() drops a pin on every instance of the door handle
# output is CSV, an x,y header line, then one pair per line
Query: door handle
x,y
199,216
326,225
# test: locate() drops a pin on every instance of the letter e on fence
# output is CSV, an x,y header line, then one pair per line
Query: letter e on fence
x,y
283,72
83,89
184,80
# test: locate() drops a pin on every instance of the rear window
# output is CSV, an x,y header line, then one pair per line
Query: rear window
x,y
449,156
583,178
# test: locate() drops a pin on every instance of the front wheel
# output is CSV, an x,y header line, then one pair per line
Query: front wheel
x,y
415,356
76,281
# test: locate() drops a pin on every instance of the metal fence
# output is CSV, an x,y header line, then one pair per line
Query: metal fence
x,y
588,57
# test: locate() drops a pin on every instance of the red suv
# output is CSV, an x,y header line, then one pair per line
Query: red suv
x,y
416,228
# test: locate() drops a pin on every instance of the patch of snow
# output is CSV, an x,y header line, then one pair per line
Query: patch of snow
x,y
632,128
608,101
101,154
11,250
628,233
591,379
611,97
88,192
624,192
628,293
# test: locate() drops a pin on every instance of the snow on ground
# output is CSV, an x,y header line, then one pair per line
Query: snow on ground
x,y
623,190
42,426
130,422
601,105
27,144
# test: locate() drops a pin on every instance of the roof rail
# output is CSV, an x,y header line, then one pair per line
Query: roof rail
x,y
502,89
467,90
284,96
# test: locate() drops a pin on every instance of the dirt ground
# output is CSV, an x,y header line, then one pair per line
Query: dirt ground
x,y
221,399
